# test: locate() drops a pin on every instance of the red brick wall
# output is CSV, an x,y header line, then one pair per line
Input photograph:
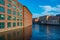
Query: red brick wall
x,y
27,17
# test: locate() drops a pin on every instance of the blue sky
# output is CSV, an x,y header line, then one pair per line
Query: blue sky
x,y
42,7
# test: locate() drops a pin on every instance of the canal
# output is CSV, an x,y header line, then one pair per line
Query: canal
x,y
39,32
45,32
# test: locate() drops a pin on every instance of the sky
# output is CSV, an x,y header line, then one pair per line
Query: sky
x,y
42,7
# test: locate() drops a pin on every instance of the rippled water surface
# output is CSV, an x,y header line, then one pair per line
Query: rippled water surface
x,y
45,32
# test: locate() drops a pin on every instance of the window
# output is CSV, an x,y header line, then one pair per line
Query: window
x,y
14,12
2,25
9,0
20,11
20,14
20,6
14,24
2,2
14,18
20,23
2,9
2,17
9,18
9,5
20,19
14,7
9,24
9,11
14,2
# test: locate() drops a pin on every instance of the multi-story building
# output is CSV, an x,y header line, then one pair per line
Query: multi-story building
x,y
58,15
11,14
27,17
14,15
50,20
27,23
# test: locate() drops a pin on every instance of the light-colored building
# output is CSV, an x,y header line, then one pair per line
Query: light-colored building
x,y
50,20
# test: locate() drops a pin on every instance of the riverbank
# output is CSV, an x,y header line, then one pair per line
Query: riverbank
x,y
50,24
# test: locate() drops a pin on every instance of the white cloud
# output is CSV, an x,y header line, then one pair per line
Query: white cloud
x,y
50,8
47,8
53,11
35,15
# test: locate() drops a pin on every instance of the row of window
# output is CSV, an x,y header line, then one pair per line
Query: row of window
x,y
2,24
15,3
2,9
9,5
2,17
14,7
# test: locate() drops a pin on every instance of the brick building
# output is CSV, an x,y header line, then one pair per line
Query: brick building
x,y
27,17
14,15
27,23
11,14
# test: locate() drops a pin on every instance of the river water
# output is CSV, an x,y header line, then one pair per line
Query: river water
x,y
45,32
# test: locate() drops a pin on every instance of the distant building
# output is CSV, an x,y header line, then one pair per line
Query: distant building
x,y
58,15
35,20
50,20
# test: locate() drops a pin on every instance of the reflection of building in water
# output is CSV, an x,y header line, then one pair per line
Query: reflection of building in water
x,y
48,29
13,16
11,35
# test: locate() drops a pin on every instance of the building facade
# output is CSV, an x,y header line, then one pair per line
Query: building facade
x,y
55,20
14,15
27,23
27,17
11,14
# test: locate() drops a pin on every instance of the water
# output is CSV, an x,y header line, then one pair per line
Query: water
x,y
45,32
17,34
39,32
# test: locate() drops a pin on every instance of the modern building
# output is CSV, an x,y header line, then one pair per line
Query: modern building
x,y
14,15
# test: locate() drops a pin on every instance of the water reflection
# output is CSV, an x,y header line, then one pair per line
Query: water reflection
x,y
17,34
11,35
45,32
